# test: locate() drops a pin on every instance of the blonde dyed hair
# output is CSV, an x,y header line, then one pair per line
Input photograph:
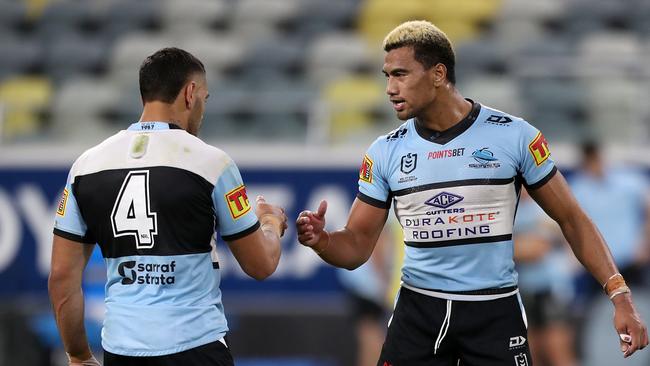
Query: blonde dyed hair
x,y
430,44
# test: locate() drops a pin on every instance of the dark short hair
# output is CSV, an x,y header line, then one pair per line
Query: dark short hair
x,y
163,74
590,149
430,45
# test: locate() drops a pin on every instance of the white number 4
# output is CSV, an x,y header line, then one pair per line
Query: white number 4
x,y
132,210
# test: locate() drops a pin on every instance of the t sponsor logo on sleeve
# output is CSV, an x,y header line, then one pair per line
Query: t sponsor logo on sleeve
x,y
365,173
60,208
485,159
238,202
539,149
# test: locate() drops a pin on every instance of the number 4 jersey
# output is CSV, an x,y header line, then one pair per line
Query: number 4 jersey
x,y
455,194
152,197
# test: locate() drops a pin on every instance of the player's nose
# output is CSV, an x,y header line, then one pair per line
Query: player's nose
x,y
391,87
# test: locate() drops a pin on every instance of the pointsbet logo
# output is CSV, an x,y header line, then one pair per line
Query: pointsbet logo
x,y
147,273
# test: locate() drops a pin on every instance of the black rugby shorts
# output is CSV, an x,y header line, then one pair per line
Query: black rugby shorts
x,y
211,354
429,331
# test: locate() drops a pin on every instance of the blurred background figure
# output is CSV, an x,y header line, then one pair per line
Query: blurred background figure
x,y
616,197
618,200
366,291
543,264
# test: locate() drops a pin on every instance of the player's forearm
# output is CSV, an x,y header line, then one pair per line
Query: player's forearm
x,y
68,306
273,249
589,247
343,248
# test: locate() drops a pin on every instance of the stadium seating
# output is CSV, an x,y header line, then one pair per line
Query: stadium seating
x,y
338,54
72,55
196,14
510,54
351,102
494,91
23,99
20,55
78,106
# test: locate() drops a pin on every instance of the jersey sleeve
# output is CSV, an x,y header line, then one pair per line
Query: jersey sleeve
x,y
235,215
536,165
373,185
68,221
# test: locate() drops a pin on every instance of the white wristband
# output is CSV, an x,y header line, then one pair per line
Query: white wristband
x,y
92,361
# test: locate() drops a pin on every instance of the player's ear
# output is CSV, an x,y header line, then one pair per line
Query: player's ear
x,y
439,74
188,91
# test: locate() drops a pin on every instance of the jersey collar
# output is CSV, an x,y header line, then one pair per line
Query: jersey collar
x,y
443,137
152,126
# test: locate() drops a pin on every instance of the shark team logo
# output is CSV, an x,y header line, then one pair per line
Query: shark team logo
x,y
485,159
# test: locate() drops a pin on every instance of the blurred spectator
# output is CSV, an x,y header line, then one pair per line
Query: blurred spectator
x,y
545,285
367,289
616,199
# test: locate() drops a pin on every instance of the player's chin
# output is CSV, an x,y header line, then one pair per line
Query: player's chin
x,y
404,115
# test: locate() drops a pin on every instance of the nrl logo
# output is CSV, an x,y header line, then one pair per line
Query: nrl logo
x,y
409,162
521,360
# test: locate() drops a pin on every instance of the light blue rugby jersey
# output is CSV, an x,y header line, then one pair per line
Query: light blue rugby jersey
x,y
455,194
151,197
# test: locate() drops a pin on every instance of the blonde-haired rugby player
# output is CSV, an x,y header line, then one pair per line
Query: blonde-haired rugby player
x,y
453,172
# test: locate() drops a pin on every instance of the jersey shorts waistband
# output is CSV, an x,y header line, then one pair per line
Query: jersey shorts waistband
x,y
477,295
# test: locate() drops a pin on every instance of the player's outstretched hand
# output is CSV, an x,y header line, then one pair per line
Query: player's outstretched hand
x,y
269,214
310,225
633,334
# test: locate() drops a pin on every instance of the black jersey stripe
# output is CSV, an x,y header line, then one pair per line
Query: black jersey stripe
x,y
181,199
455,183
73,237
242,233
374,202
450,243
542,181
